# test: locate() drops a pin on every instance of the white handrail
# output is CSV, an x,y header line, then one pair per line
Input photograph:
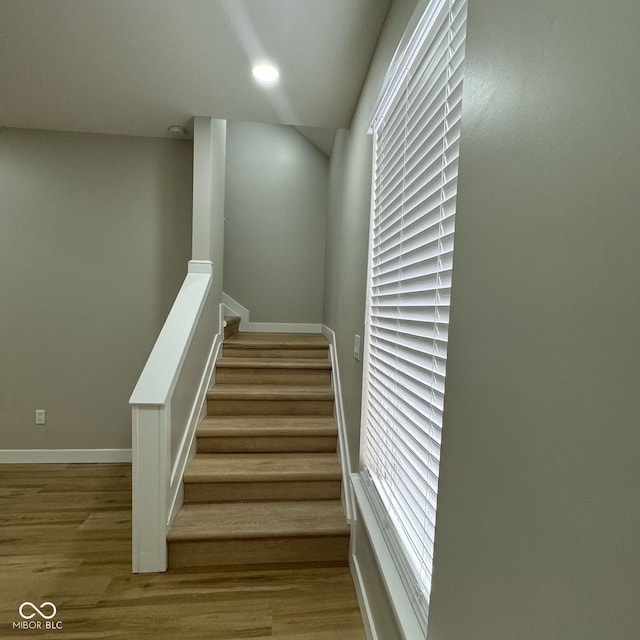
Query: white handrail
x,y
160,374
151,421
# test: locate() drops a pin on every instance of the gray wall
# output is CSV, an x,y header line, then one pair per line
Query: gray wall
x,y
348,224
539,521
276,213
346,274
95,236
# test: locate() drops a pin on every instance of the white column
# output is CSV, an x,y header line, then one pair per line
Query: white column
x,y
209,162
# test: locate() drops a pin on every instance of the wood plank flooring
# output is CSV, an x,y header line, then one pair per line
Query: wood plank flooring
x,y
65,537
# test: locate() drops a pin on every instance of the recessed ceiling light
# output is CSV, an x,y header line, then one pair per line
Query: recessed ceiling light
x,y
265,73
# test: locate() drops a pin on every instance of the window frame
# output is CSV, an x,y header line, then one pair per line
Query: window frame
x,y
421,25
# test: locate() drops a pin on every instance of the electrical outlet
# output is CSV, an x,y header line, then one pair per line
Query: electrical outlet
x,y
41,416
356,347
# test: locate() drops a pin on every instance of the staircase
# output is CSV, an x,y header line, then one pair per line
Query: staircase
x,y
264,486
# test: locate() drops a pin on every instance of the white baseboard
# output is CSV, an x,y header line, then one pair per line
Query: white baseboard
x,y
64,456
235,308
343,442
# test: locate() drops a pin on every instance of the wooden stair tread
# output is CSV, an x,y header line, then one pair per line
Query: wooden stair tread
x,y
269,392
262,467
264,486
278,340
291,426
273,363
258,520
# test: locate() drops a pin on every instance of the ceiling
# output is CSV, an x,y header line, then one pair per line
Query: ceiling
x,y
134,67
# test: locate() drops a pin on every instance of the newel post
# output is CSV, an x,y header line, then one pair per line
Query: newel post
x,y
150,486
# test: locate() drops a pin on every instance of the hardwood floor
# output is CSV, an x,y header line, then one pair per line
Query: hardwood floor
x,y
65,538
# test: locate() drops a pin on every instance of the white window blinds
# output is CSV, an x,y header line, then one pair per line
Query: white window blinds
x,y
416,138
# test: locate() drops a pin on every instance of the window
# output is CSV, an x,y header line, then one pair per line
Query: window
x,y
416,133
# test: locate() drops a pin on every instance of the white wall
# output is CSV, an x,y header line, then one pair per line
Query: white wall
x,y
209,171
276,212
538,518
94,243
